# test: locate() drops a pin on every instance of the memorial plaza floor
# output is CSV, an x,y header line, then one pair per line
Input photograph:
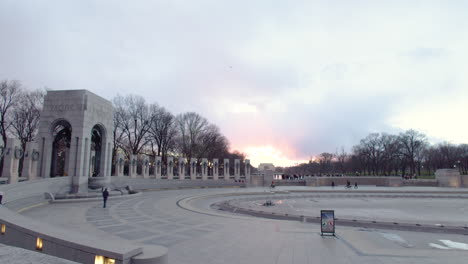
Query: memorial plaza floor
x,y
195,232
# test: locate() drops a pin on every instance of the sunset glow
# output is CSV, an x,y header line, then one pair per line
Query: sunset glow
x,y
268,154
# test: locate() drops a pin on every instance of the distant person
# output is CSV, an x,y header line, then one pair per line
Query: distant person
x,y
1,197
355,185
333,184
105,194
348,184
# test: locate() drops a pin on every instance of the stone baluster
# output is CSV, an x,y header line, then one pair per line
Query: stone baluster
x,y
227,174
215,169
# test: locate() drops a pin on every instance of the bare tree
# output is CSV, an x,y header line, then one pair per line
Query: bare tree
x,y
325,160
197,138
162,131
133,122
413,144
341,159
391,153
190,126
26,114
213,144
9,93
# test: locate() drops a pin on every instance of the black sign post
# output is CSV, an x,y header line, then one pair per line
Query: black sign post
x,y
327,222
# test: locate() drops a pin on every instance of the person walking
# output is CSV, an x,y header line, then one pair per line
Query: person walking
x,y
1,197
105,194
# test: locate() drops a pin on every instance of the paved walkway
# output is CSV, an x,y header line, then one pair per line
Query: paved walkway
x,y
14,255
204,235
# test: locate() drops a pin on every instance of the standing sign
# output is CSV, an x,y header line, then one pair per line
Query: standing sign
x,y
327,220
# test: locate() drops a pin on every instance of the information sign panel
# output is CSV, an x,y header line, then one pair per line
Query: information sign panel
x,y
327,221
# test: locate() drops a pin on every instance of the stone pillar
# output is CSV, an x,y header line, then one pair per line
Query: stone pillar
x,y
226,169
215,169
132,166
157,167
86,147
45,145
92,163
170,168
247,170
78,160
31,161
11,156
67,161
182,168
105,162
119,165
145,167
193,169
204,169
237,169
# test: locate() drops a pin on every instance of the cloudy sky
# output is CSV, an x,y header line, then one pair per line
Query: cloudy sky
x,y
284,80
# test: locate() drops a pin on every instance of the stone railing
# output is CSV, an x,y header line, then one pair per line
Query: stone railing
x,y
182,168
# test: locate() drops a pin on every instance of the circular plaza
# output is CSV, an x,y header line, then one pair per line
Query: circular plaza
x,y
231,225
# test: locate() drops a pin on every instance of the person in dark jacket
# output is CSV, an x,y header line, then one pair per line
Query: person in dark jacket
x,y
105,194
1,197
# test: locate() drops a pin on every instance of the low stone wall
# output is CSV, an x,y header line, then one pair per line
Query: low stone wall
x,y
420,182
360,180
290,183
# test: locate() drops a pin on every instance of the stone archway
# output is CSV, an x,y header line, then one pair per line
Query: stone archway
x,y
61,134
90,116
97,141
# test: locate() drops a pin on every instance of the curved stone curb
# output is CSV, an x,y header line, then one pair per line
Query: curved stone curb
x,y
93,199
246,214
460,230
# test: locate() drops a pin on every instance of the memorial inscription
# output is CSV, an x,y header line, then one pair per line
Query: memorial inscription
x,y
65,107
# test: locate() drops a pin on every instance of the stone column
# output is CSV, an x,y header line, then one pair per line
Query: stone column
x,y
67,161
45,145
119,165
193,169
181,168
215,169
170,168
31,161
247,170
226,169
145,167
11,156
157,167
78,160
204,169
92,163
132,166
237,169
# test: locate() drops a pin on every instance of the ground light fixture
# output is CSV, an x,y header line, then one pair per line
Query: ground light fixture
x,y
103,260
39,244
